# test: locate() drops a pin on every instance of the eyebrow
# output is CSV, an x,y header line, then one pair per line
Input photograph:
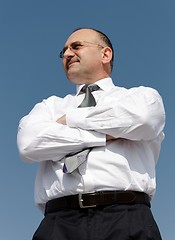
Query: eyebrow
x,y
66,47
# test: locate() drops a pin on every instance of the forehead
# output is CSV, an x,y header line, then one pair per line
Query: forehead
x,y
82,35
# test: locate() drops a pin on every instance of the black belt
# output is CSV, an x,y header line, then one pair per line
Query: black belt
x,y
96,199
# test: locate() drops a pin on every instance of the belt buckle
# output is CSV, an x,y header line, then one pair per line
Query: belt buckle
x,y
80,199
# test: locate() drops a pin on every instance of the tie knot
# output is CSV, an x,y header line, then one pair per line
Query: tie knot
x,y
91,87
89,99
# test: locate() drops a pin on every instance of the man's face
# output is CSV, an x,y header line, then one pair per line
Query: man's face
x,y
82,59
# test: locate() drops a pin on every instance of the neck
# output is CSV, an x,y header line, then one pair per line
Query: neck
x,y
88,80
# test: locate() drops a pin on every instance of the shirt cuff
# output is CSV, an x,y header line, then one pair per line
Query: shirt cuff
x,y
94,139
77,117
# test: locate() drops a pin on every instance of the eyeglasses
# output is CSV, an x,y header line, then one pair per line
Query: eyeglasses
x,y
75,46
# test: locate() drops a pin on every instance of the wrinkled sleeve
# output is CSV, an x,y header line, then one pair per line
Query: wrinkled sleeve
x,y
41,138
134,114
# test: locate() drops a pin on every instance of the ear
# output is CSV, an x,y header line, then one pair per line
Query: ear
x,y
106,55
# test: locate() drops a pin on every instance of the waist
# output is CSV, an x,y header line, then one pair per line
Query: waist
x,y
97,199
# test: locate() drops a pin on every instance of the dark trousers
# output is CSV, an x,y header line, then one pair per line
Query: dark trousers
x,y
115,222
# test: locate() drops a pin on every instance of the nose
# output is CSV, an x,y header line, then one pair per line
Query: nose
x,y
68,52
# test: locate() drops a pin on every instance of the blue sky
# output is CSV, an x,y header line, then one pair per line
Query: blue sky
x,y
31,35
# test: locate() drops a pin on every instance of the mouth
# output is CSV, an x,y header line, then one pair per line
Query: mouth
x,y
70,62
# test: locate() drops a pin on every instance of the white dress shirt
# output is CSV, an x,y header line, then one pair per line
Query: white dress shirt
x,y
135,117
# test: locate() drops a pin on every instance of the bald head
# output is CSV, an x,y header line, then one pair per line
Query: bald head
x,y
86,56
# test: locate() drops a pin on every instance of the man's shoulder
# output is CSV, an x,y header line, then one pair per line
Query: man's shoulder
x,y
55,98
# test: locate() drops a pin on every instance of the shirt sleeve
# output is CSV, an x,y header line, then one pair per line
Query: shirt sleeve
x,y
134,114
41,138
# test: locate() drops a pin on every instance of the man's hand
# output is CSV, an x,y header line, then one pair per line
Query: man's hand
x,y
110,138
62,120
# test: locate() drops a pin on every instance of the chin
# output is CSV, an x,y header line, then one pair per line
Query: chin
x,y
74,78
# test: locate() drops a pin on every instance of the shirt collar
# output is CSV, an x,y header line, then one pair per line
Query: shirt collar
x,y
105,84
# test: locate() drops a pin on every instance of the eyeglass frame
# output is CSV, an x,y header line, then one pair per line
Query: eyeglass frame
x,y
78,44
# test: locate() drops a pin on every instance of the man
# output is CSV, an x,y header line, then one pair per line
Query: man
x,y
107,193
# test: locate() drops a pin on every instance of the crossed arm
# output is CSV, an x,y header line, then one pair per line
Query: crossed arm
x,y
62,120
135,115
